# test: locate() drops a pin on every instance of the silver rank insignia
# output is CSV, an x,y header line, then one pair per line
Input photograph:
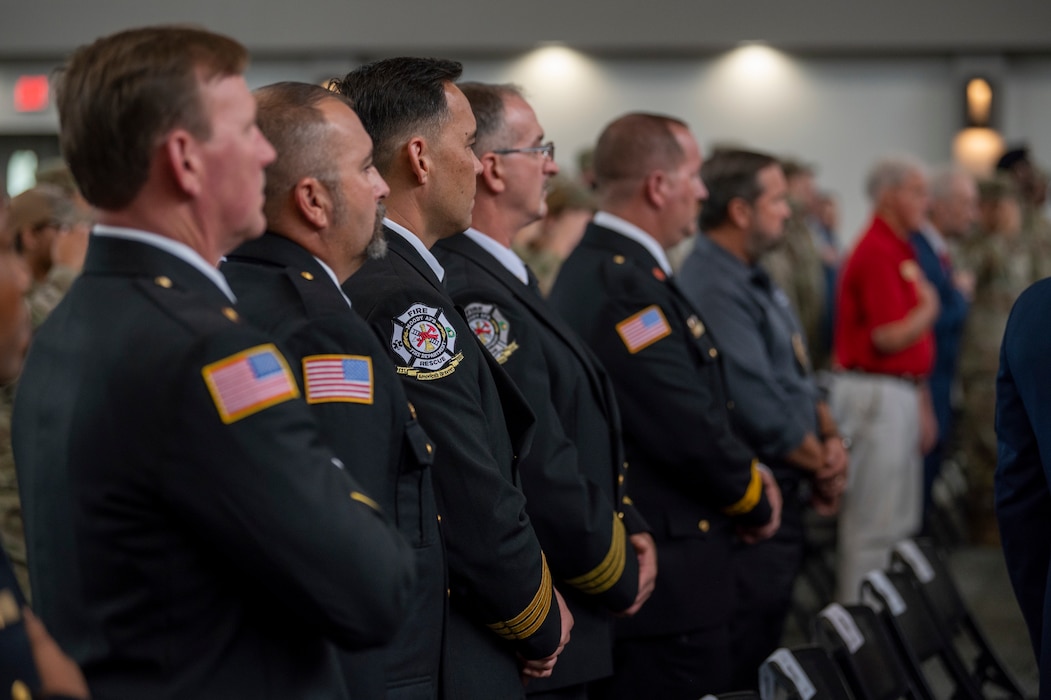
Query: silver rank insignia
x,y
491,328
426,342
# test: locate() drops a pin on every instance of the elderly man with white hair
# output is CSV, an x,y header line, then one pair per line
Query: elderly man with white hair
x,y
884,346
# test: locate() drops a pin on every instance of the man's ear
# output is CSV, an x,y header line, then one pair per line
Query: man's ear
x,y
493,173
739,212
313,201
421,164
182,153
653,188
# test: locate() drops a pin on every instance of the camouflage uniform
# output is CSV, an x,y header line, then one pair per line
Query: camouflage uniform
x,y
10,508
1036,232
795,265
1003,268
44,296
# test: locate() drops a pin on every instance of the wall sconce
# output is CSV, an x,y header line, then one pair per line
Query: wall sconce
x,y
978,145
978,103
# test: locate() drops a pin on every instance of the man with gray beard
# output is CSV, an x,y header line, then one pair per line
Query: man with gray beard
x,y
323,209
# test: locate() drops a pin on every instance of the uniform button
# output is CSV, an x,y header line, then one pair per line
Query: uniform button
x,y
306,275
713,353
620,479
704,526
230,314
619,259
19,691
625,465
163,281
429,448
730,405
412,410
620,515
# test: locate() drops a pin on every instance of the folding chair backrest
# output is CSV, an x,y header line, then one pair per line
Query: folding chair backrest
x,y
802,673
921,560
913,628
870,663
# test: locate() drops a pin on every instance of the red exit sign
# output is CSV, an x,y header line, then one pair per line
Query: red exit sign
x,y
32,93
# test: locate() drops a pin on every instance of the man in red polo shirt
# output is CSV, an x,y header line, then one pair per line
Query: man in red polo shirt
x,y
885,347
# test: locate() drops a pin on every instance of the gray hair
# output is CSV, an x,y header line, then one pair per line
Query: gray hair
x,y
943,179
889,172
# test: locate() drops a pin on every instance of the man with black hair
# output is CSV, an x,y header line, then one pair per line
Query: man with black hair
x,y
502,602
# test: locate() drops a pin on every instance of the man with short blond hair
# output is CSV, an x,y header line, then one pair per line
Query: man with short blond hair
x,y
189,535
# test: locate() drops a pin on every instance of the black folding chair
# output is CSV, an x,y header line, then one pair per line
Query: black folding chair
x,y
802,673
869,661
921,560
914,630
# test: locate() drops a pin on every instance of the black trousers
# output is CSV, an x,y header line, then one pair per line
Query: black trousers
x,y
765,574
672,667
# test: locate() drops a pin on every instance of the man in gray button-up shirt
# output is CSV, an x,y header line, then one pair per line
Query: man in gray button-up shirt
x,y
776,405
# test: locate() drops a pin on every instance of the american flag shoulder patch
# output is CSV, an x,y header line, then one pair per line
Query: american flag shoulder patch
x,y
249,381
643,329
346,378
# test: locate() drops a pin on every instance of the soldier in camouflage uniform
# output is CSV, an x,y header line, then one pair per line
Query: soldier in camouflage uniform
x,y
796,264
999,256
14,339
52,237
1031,183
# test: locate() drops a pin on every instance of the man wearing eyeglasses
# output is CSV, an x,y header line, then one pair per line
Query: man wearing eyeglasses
x,y
574,476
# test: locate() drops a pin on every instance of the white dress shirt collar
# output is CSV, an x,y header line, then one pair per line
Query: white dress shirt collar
x,y
505,256
630,230
171,246
335,280
416,243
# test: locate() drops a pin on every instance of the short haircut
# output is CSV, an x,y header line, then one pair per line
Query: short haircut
x,y
634,145
794,168
290,117
731,174
890,172
119,96
398,97
944,178
487,104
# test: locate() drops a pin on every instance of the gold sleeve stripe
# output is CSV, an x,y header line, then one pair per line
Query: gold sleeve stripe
x,y
608,572
362,498
527,622
751,495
